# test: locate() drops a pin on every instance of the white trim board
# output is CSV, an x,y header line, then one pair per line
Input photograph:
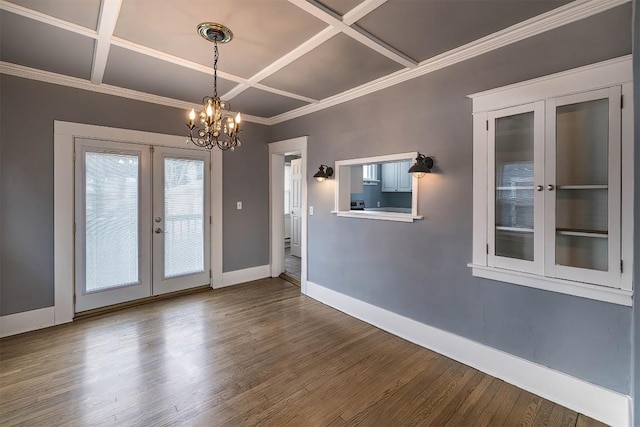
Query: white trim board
x,y
230,278
594,401
13,324
552,284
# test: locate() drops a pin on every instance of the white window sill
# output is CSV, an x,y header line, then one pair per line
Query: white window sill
x,y
568,287
384,216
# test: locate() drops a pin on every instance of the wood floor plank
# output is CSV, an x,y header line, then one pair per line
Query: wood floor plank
x,y
543,413
584,421
254,354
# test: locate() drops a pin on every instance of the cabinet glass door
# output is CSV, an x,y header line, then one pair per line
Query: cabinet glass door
x,y
584,186
514,136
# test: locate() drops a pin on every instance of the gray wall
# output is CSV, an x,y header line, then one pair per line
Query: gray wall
x,y
246,180
27,111
635,360
419,269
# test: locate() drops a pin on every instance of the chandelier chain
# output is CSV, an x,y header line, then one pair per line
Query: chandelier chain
x,y
215,69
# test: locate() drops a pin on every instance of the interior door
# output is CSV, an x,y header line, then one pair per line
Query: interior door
x,y
181,219
113,197
296,207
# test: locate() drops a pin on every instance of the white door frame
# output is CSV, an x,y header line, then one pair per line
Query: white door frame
x,y
63,202
277,151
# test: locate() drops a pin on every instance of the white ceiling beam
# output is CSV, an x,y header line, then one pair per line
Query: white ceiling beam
x,y
357,34
364,8
361,10
109,12
116,41
284,93
242,87
285,60
144,50
46,19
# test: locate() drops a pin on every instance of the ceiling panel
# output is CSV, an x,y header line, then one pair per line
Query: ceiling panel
x,y
84,12
335,66
340,7
143,73
423,29
263,30
37,45
263,104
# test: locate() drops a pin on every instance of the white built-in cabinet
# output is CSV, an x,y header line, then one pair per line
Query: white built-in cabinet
x,y
396,177
553,183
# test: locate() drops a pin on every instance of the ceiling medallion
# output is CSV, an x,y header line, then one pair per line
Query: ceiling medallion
x,y
219,128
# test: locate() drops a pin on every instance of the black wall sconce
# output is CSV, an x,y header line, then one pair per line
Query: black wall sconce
x,y
422,166
323,173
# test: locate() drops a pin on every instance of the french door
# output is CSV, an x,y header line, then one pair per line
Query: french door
x,y
142,221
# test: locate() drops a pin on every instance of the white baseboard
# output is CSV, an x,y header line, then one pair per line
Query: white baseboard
x,y
594,401
26,321
231,278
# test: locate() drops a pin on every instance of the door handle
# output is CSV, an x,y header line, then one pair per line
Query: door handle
x,y
539,187
158,230
158,219
550,187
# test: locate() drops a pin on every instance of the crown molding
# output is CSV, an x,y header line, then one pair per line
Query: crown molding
x,y
563,15
78,83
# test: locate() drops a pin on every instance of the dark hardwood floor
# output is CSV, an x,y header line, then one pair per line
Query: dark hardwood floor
x,y
254,354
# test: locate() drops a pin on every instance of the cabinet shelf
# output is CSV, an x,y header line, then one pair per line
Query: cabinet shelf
x,y
516,188
583,187
514,229
599,234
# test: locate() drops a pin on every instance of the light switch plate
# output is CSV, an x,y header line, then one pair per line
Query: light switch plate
x,y
310,210
239,205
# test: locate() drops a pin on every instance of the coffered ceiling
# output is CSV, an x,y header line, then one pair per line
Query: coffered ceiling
x,y
287,57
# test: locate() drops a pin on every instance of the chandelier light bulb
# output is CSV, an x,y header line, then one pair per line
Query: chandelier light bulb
x,y
209,110
238,118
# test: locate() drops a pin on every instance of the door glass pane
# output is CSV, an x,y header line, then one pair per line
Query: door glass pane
x,y
514,186
111,209
183,216
582,197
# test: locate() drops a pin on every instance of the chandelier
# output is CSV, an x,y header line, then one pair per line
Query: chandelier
x,y
218,126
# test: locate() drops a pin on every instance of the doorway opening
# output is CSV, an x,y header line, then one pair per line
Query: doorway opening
x,y
288,202
292,218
